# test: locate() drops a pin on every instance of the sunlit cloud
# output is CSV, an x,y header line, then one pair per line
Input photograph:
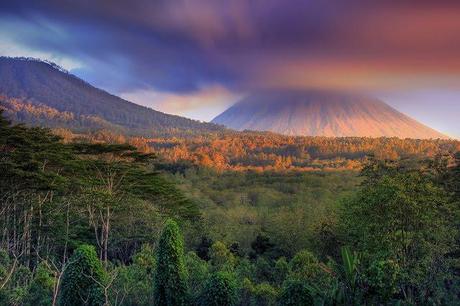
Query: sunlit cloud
x,y
204,104
169,54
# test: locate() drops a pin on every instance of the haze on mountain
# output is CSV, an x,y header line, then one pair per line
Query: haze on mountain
x,y
322,113
41,93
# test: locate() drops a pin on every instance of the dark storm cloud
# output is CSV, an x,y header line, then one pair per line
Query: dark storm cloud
x,y
181,46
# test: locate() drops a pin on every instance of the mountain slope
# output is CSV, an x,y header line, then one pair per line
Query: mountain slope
x,y
315,113
41,93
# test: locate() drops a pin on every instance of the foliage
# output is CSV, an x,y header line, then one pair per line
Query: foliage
x,y
281,271
198,273
203,249
59,195
221,257
382,277
262,246
262,151
83,280
326,240
295,293
402,223
262,294
14,280
171,273
317,276
133,284
285,208
350,265
41,288
220,290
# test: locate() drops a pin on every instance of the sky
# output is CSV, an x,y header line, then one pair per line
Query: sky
x,y
195,57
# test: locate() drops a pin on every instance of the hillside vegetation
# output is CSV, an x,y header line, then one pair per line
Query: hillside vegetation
x,y
99,224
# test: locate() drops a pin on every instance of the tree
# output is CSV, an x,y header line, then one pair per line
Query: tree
x,y
203,249
134,283
41,289
171,274
295,293
198,273
264,295
281,270
83,280
219,290
221,257
306,268
405,219
261,245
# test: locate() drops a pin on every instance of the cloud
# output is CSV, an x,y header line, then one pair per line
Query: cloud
x,y
15,48
185,55
178,46
203,104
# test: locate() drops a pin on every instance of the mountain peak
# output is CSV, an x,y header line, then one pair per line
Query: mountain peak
x,y
322,113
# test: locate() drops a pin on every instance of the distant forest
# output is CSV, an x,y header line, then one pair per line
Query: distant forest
x,y
223,149
264,151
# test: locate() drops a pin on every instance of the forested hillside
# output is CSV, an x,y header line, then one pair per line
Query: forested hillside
x,y
41,93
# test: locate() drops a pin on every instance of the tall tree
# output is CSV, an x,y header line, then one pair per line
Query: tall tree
x,y
171,274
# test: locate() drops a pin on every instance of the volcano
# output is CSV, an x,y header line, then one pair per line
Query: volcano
x,y
321,113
